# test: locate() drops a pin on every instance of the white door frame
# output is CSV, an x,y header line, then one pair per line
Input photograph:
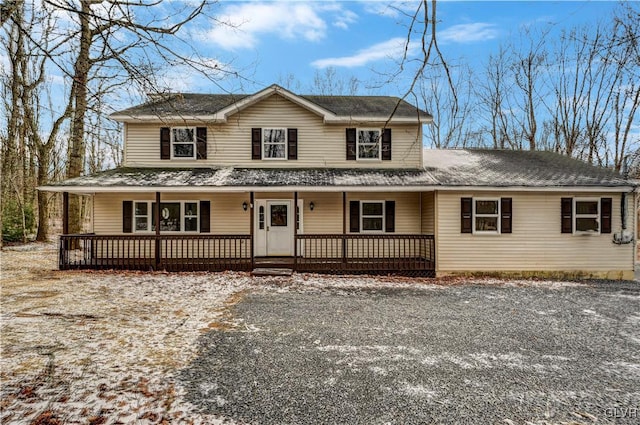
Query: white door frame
x,y
262,226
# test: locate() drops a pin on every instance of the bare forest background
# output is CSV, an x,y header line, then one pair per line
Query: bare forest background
x,y
575,92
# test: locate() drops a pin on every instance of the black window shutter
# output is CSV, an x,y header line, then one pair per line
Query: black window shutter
x,y
354,216
165,143
127,216
351,144
506,215
205,216
386,144
292,142
256,143
390,216
201,142
466,215
605,215
567,215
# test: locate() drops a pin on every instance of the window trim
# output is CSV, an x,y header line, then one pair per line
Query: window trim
x,y
194,143
358,130
183,217
382,216
285,143
597,215
497,215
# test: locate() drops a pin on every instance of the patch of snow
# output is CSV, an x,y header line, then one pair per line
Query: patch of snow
x,y
416,390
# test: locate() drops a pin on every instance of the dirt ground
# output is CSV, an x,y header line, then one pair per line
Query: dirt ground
x,y
83,347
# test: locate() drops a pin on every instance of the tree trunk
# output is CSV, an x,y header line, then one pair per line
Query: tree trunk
x,y
79,92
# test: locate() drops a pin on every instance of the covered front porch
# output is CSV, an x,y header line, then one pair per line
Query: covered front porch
x,y
270,232
215,220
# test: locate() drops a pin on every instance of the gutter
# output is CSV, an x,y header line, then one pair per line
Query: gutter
x,y
394,188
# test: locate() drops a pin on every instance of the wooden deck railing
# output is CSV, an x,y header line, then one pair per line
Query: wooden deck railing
x,y
372,254
151,252
333,253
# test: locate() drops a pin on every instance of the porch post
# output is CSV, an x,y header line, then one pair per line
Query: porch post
x,y
295,230
65,213
251,232
157,216
344,227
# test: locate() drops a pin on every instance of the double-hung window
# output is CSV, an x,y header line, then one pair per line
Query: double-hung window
x,y
179,216
486,214
274,143
183,143
368,144
372,216
587,217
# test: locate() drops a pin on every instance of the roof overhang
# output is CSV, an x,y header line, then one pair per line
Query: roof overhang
x,y
87,190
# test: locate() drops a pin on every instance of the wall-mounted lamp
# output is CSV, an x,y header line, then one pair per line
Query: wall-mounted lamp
x,y
311,205
245,205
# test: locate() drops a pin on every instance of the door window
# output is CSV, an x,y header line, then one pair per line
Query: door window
x,y
278,215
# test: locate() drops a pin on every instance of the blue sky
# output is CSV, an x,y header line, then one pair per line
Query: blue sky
x,y
275,39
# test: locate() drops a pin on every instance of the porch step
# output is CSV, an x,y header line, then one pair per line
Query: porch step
x,y
264,271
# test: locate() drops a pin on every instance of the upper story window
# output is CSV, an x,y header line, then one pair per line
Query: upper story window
x,y
274,143
183,142
369,144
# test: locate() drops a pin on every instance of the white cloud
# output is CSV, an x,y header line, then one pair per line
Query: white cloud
x,y
241,26
345,19
390,49
391,9
467,33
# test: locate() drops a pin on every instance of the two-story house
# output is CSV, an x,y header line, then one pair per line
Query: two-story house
x,y
339,184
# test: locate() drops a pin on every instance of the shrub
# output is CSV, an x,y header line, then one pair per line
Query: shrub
x,y
12,221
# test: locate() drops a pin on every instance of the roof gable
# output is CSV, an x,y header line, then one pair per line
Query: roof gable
x,y
218,107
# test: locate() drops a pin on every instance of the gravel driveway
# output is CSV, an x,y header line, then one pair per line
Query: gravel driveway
x,y
441,354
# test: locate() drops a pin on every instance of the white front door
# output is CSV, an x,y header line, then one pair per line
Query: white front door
x,y
279,223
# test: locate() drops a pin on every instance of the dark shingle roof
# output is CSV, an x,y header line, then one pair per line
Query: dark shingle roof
x,y
246,177
192,104
183,104
442,168
484,167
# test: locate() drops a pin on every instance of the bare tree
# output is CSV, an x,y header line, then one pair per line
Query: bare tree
x,y
451,107
330,83
493,93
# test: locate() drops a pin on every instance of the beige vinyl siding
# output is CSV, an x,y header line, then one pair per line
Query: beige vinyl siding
x,y
227,215
428,213
407,209
536,243
229,144
326,216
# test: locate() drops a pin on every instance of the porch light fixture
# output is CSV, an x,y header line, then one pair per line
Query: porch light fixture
x,y
311,205
245,205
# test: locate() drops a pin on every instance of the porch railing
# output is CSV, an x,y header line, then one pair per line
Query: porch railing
x,y
152,252
323,253
372,254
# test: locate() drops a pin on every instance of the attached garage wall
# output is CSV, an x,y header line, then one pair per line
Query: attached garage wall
x,y
536,243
